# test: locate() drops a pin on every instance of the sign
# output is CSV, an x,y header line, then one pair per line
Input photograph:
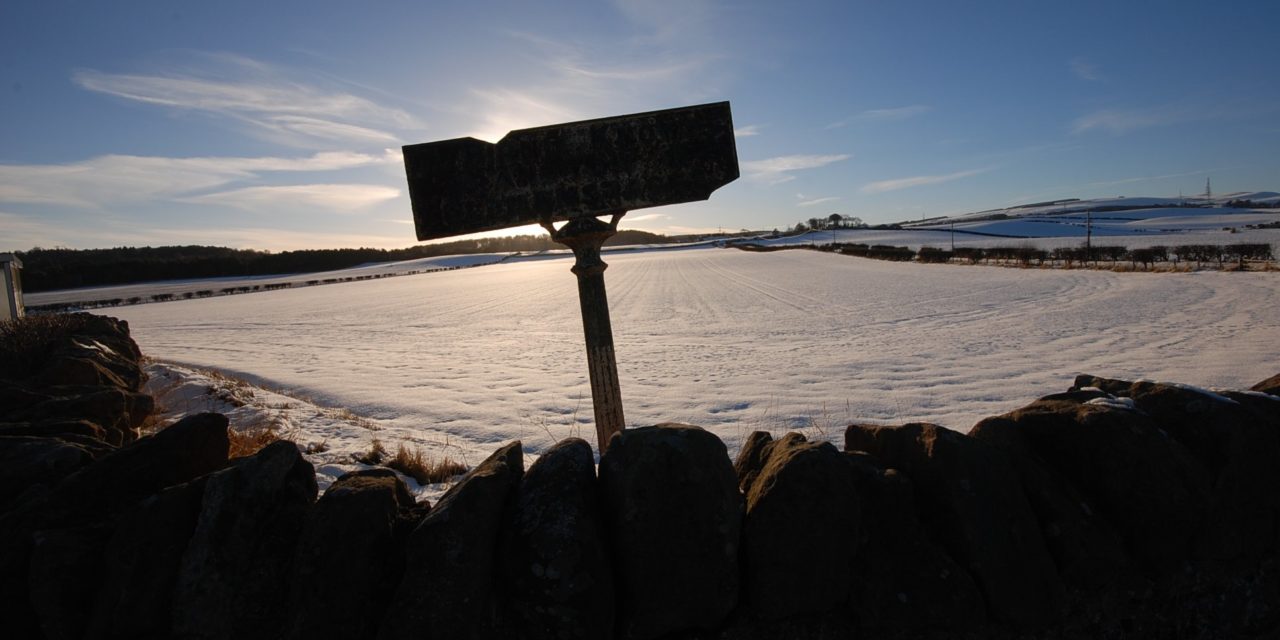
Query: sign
x,y
566,171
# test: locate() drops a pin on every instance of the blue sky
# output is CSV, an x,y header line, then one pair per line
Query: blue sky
x,y
277,125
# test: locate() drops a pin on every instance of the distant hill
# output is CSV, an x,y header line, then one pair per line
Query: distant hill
x,y
1235,200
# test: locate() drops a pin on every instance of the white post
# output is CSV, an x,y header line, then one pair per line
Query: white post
x,y
11,306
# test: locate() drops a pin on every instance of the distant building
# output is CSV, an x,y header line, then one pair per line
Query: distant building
x,y
11,296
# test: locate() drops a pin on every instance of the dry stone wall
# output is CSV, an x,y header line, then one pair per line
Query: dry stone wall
x,y
1114,509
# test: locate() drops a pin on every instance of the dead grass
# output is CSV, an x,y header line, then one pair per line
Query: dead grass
x,y
228,389
415,463
246,442
153,423
375,455
348,416
27,343
248,439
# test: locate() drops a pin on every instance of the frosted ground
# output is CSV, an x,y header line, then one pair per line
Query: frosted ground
x,y
460,361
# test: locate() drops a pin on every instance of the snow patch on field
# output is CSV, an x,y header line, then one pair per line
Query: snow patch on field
x,y
729,340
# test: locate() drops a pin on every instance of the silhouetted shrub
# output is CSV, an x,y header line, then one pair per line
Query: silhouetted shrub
x,y
972,254
933,254
886,252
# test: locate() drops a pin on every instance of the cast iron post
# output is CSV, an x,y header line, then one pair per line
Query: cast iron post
x,y
585,236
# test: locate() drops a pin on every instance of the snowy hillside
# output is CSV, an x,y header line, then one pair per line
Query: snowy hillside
x,y
459,361
1115,217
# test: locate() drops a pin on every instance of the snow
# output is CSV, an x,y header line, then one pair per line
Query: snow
x,y
331,438
462,361
1162,220
1205,392
1112,402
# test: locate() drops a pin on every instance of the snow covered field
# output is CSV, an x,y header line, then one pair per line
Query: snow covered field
x,y
460,361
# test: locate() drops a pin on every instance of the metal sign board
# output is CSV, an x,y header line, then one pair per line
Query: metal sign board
x,y
566,171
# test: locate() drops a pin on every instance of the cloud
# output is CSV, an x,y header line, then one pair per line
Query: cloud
x,y
22,233
550,81
275,106
630,74
116,179
1092,187
682,230
341,198
897,113
1169,176
1084,69
1121,121
647,216
778,169
810,203
916,181
747,131
884,115
666,20
302,127
500,111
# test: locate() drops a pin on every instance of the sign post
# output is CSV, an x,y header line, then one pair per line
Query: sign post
x,y
10,287
575,173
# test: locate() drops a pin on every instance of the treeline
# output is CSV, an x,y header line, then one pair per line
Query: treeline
x,y
98,303
1070,256
1067,257
1249,204
50,269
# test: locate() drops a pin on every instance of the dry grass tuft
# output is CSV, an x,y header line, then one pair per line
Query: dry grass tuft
x,y
375,455
27,343
349,416
246,442
416,464
248,439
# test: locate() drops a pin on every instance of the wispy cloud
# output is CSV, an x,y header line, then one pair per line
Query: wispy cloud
x,y
1090,189
117,179
884,115
1122,121
500,111
1084,69
897,113
244,90
747,131
917,181
646,217
809,202
649,73
779,169
659,63
666,20
1168,176
23,232
340,198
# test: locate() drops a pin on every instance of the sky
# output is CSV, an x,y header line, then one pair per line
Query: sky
x,y
278,125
